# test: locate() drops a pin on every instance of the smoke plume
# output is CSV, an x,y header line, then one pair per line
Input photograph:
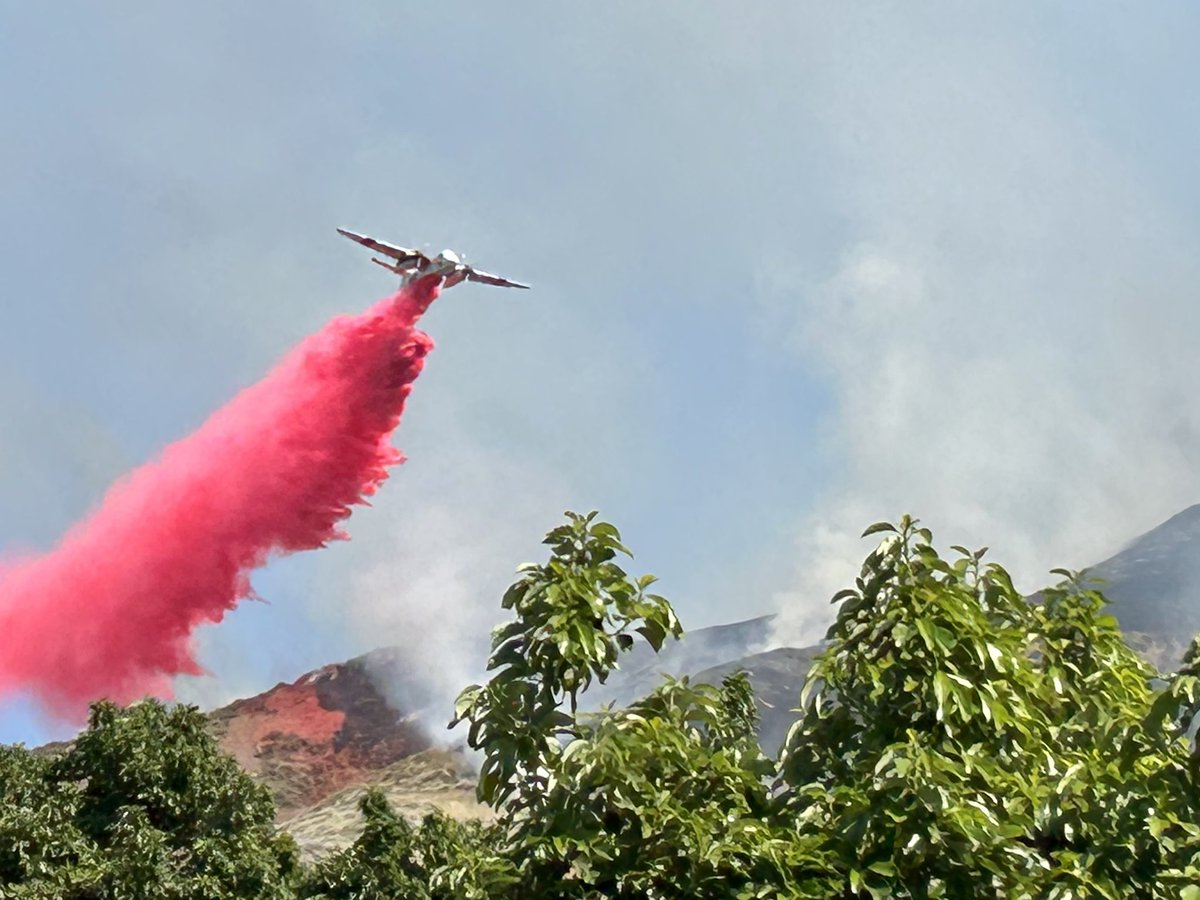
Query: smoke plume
x,y
111,610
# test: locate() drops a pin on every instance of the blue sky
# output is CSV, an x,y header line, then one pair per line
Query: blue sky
x,y
795,269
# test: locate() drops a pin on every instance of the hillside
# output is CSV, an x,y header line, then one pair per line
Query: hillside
x,y
697,651
1154,586
327,730
431,779
777,677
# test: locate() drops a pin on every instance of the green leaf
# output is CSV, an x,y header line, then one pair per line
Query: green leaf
x,y
878,527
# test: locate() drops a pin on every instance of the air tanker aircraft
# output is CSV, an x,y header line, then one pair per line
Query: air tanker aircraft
x,y
412,265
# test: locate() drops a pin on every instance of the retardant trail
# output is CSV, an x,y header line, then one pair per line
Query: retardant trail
x,y
110,611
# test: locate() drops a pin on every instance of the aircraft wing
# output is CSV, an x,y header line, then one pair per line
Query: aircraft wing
x,y
489,278
400,254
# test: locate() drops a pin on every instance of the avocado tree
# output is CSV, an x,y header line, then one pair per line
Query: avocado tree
x,y
957,740
954,739
667,798
142,804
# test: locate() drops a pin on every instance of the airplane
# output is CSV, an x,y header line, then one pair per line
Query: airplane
x,y
412,265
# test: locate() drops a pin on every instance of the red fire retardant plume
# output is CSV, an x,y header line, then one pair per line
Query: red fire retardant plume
x,y
110,611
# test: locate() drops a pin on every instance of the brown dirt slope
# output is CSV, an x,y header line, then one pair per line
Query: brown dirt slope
x,y
415,786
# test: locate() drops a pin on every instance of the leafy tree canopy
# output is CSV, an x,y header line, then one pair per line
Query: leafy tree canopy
x,y
954,740
142,804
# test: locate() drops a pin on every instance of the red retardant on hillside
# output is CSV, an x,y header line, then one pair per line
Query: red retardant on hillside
x,y
110,611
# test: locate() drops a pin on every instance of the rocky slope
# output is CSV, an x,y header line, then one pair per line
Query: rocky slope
x,y
325,731
777,677
709,654
415,786
1154,586
642,669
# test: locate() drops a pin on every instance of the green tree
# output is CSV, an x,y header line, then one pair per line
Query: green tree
x,y
574,615
668,798
40,842
142,804
957,740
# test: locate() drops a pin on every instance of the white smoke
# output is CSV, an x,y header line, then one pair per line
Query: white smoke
x,y
438,557
1007,333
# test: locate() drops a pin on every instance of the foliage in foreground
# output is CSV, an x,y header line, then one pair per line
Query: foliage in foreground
x,y
954,740
142,804
959,741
